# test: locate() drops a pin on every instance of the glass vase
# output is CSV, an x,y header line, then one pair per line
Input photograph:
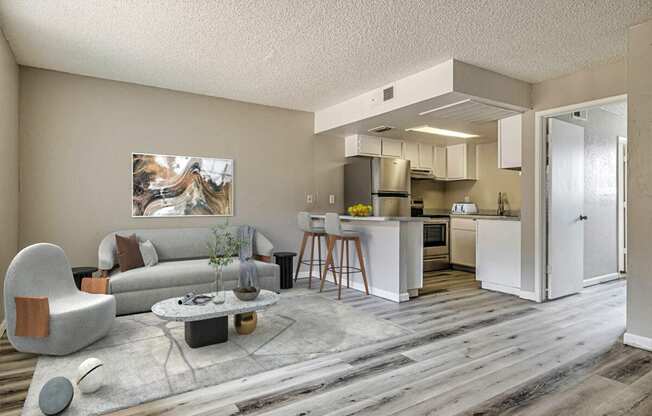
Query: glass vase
x,y
219,296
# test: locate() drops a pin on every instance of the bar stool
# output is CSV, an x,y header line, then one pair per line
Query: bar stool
x,y
309,231
335,234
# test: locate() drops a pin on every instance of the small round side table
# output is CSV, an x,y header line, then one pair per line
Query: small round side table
x,y
284,259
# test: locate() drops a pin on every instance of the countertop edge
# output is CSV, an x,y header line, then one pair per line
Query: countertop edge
x,y
371,218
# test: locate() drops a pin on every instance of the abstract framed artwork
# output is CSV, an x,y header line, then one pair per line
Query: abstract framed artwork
x,y
181,186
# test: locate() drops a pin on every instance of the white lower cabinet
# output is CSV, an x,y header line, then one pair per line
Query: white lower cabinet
x,y
498,255
463,244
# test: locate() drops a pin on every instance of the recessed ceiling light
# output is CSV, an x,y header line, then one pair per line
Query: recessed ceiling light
x,y
442,132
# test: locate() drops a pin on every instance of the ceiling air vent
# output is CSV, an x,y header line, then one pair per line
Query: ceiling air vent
x,y
388,93
380,129
582,115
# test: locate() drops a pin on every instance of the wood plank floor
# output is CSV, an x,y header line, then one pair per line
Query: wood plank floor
x,y
469,352
16,370
447,280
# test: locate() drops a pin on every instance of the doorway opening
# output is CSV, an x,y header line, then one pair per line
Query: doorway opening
x,y
585,197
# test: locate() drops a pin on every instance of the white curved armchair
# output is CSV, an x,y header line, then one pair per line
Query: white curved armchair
x,y
76,320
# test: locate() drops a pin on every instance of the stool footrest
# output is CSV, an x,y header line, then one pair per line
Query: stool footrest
x,y
345,269
316,261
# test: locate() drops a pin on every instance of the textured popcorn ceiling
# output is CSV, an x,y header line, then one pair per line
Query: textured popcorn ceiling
x,y
307,55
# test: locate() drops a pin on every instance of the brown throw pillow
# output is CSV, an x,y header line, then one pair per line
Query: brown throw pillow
x,y
129,256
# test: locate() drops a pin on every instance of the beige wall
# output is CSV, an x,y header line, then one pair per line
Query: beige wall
x,y
8,160
432,192
484,191
599,82
77,135
639,204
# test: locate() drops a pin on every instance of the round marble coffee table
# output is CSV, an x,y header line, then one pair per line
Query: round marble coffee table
x,y
209,323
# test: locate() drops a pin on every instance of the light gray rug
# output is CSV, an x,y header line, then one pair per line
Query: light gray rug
x,y
146,358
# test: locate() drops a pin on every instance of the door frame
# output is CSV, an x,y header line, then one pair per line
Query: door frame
x,y
540,205
622,204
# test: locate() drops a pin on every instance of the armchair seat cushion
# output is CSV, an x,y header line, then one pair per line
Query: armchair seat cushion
x,y
78,320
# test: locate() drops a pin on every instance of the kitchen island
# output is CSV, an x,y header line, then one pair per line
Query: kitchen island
x,y
393,254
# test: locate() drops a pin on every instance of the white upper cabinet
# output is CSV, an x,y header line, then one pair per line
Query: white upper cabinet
x,y
392,148
509,142
420,155
440,162
461,162
364,145
412,153
426,156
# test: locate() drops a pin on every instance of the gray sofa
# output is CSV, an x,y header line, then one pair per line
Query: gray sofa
x,y
77,319
183,267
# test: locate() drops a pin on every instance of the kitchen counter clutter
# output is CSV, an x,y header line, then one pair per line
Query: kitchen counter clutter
x,y
393,252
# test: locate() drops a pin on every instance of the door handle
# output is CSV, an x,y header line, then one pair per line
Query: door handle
x,y
583,217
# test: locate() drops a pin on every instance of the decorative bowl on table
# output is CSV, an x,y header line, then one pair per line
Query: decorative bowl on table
x,y
246,293
360,210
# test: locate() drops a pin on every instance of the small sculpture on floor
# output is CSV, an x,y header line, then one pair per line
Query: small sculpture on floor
x,y
90,375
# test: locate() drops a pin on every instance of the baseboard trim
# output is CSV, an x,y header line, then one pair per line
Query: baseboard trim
x,y
529,295
501,288
600,279
637,341
3,327
359,286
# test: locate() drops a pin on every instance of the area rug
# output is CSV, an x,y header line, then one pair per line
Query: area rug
x,y
146,358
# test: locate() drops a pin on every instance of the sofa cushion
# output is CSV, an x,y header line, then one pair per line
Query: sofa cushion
x,y
147,250
178,273
129,256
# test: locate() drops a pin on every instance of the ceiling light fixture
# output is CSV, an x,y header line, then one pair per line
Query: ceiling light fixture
x,y
442,132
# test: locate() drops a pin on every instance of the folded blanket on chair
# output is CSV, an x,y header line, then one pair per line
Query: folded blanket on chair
x,y
248,273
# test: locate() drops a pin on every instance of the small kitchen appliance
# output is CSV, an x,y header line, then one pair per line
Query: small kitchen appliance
x,y
464,208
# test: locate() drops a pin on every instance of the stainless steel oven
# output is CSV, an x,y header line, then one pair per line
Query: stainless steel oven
x,y
436,234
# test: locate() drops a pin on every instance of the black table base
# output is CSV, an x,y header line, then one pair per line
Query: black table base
x,y
207,332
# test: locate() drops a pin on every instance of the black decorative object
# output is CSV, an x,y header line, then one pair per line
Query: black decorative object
x,y
192,299
78,273
284,259
55,396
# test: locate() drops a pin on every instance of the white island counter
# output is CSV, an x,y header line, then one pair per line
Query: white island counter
x,y
393,255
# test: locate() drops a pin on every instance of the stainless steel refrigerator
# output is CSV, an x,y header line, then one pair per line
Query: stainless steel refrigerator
x,y
383,183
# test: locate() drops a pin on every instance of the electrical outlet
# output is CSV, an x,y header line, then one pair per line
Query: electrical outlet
x,y
331,199
309,199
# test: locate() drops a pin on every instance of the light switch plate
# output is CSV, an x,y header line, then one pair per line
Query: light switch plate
x,y
331,199
309,199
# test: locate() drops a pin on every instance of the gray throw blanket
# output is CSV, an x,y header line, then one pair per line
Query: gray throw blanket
x,y
248,273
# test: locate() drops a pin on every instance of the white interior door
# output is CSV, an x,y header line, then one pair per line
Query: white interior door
x,y
565,208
